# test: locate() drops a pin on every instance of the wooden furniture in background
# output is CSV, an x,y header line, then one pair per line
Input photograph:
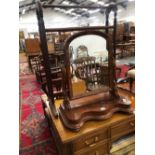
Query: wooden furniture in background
x,y
120,32
125,32
21,35
95,138
56,75
32,49
50,47
127,49
60,57
57,82
125,39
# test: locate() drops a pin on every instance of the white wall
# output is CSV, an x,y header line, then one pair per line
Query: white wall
x,y
51,19
28,21
56,19
127,14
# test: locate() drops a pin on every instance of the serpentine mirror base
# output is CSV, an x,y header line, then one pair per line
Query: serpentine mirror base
x,y
75,118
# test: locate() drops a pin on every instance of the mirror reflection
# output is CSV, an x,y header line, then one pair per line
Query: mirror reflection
x,y
89,64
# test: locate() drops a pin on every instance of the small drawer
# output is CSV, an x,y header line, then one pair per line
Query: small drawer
x,y
88,141
101,148
122,128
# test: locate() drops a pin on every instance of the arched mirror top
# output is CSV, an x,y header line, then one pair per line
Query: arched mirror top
x,y
89,45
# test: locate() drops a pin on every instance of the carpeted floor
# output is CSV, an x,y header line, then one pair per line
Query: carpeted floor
x,y
35,138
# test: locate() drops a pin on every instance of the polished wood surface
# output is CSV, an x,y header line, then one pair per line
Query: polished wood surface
x,y
32,45
67,135
78,86
95,137
126,47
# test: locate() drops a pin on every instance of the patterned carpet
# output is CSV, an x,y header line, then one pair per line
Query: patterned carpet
x,y
35,138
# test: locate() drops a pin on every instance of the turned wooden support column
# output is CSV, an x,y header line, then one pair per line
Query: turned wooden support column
x,y
107,19
112,47
115,29
44,50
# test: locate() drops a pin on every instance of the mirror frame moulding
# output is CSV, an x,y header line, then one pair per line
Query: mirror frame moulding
x,y
67,56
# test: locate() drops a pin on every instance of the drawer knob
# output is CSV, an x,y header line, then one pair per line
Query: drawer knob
x,y
91,144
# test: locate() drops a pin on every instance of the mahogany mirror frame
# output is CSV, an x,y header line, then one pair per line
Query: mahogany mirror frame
x,y
68,63
69,115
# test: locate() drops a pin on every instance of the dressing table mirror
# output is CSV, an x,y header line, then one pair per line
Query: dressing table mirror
x,y
88,77
89,88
